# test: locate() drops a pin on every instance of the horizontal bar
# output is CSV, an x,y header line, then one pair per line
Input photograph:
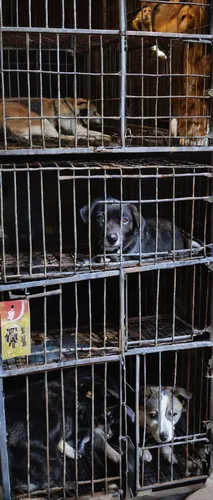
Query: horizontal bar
x,y
160,34
104,149
85,276
169,485
169,347
83,31
26,370
59,281
167,265
62,31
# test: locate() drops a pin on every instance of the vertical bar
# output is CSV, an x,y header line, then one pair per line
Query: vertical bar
x,y
122,5
41,90
9,74
62,14
92,430
137,423
157,92
60,322
63,431
174,304
122,339
157,306
157,211
3,88
76,320
28,432
60,222
102,85
30,17
43,221
173,213
58,90
47,426
46,14
28,88
3,253
30,221
16,220
76,430
75,222
5,475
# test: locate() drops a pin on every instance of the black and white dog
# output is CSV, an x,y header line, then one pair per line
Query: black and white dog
x,y
52,428
110,232
160,409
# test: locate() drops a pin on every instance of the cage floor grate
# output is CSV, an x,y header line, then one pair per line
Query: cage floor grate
x,y
84,344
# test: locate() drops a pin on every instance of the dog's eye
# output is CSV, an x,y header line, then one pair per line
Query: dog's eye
x,y
175,414
125,220
153,415
100,218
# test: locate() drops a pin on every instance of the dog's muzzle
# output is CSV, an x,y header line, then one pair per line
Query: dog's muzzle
x,y
112,242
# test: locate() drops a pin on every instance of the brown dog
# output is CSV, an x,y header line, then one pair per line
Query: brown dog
x,y
167,18
192,122
69,116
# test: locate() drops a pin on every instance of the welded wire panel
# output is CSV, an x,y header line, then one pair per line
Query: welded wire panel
x,y
76,321
106,317
70,428
169,392
166,306
70,218
141,72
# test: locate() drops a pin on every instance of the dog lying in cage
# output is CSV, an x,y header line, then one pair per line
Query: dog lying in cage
x,y
159,412
133,233
52,428
67,118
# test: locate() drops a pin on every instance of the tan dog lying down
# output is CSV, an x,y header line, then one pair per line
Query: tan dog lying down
x,y
50,126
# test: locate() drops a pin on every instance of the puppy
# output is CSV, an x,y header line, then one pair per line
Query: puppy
x,y
163,409
60,441
52,125
111,234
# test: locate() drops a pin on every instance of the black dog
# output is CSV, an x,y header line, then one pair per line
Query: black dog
x,y
109,233
60,441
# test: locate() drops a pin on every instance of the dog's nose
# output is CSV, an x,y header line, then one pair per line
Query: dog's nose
x,y
163,436
112,238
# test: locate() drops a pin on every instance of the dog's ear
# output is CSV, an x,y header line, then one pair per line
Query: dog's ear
x,y
84,211
182,394
136,217
145,391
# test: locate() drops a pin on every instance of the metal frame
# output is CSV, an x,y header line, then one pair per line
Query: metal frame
x,y
124,353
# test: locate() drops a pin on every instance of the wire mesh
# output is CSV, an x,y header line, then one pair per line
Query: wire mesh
x,y
64,218
98,78
77,420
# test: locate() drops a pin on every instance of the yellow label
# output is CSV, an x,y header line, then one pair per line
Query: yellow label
x,y
15,328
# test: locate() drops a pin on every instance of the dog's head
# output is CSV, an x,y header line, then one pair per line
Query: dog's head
x,y
111,225
162,410
88,109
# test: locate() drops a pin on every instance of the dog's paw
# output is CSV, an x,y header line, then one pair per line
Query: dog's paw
x,y
145,454
166,453
114,455
69,450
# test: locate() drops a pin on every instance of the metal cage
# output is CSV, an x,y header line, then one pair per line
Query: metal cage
x,y
106,388
148,85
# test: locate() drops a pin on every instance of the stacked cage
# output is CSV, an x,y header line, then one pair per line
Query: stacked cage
x,y
106,261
